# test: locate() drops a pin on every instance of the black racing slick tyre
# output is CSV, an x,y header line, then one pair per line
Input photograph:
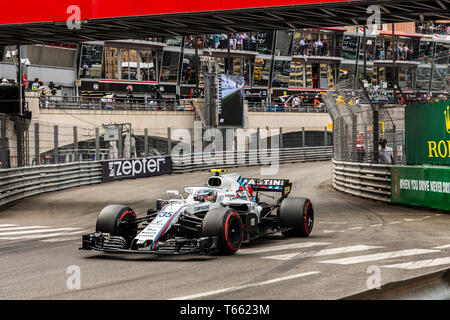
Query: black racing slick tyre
x,y
298,214
111,220
226,225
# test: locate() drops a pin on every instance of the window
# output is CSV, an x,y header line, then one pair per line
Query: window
x,y
169,68
91,61
426,49
264,42
147,65
174,41
296,79
423,77
189,71
128,64
350,47
2,53
52,56
110,63
261,72
191,42
281,74
283,45
406,77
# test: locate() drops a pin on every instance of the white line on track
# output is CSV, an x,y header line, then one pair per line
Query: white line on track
x,y
376,225
282,247
22,228
332,231
48,235
443,247
62,239
332,222
420,264
301,255
380,256
394,222
3,234
7,225
246,286
356,228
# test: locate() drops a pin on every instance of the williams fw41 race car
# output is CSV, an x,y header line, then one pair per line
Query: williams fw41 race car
x,y
214,218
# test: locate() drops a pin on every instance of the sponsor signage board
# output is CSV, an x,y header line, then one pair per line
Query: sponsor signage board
x,y
424,186
136,168
427,133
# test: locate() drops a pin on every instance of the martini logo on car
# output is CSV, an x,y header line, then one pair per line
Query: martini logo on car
x,y
136,168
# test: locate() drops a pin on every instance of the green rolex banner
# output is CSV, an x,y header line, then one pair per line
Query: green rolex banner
x,y
427,133
424,186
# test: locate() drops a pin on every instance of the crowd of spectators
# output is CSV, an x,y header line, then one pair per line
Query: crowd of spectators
x,y
237,41
386,52
433,28
314,48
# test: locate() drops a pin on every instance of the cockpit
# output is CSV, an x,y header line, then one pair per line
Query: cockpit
x,y
204,195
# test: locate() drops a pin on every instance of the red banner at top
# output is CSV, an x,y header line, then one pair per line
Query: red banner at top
x,y
31,11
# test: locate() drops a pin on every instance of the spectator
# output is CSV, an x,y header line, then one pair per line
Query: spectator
x,y
302,47
35,86
386,154
360,148
296,102
325,48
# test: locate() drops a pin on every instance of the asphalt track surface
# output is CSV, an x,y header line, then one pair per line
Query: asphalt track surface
x,y
354,242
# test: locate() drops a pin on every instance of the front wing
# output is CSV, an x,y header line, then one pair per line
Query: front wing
x,y
176,246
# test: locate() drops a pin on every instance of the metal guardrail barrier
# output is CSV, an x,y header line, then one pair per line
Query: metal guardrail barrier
x,y
19,183
23,182
365,180
230,159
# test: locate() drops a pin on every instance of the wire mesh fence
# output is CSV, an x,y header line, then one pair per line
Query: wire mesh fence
x,y
367,126
27,142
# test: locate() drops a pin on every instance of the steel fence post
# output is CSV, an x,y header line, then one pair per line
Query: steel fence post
x,y
75,144
280,139
303,137
37,152
146,142
55,145
169,141
97,144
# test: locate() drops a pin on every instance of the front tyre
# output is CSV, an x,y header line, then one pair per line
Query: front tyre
x,y
116,220
226,225
297,214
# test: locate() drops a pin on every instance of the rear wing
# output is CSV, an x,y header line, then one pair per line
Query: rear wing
x,y
273,185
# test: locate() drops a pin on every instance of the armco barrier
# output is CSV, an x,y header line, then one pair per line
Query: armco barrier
x,y
23,182
365,180
229,159
19,183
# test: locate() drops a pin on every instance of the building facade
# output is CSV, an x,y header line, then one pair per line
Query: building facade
x,y
273,63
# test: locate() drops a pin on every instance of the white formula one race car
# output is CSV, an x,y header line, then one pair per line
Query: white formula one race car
x,y
214,218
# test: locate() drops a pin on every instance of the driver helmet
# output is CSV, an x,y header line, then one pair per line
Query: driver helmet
x,y
208,195
211,196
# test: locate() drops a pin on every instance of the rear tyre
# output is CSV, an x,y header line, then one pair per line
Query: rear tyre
x,y
298,214
226,225
111,220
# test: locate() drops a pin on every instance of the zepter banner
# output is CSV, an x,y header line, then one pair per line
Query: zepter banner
x,y
136,168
